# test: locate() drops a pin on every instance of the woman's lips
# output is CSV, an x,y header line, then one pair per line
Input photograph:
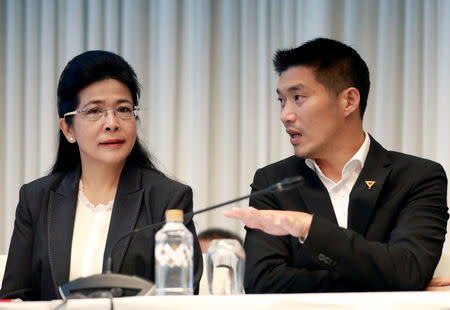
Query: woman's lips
x,y
112,142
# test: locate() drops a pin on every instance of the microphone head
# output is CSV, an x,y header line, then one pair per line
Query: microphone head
x,y
292,180
286,184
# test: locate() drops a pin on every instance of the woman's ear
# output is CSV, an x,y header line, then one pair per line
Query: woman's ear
x,y
66,130
350,99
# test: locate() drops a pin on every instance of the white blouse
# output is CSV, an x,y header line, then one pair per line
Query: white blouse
x,y
89,236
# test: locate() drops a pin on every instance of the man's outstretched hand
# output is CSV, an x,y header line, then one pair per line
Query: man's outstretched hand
x,y
274,222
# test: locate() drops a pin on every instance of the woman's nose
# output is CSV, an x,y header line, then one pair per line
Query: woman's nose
x,y
111,120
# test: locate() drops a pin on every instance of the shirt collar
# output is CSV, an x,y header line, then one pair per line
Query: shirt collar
x,y
356,162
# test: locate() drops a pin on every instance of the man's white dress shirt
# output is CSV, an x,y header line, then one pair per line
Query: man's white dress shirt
x,y
340,192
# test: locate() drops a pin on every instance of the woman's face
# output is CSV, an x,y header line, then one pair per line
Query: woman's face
x,y
110,139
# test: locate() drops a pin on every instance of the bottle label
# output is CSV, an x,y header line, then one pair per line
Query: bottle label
x,y
173,255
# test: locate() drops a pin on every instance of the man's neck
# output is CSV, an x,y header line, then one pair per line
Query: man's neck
x,y
333,163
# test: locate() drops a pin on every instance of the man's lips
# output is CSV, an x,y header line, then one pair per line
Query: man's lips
x,y
294,135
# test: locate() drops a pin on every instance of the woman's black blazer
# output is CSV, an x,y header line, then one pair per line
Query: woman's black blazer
x,y
40,250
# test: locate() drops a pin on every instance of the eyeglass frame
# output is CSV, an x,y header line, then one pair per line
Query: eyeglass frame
x,y
72,113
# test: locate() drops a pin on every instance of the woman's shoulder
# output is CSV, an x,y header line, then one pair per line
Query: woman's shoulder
x,y
159,181
47,182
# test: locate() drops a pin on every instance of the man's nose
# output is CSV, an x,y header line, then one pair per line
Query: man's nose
x,y
288,113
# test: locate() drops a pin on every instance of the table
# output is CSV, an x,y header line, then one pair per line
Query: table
x,y
375,301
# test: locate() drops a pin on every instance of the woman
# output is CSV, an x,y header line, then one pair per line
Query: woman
x,y
102,185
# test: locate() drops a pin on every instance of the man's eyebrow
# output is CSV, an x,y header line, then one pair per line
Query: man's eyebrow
x,y
293,88
296,87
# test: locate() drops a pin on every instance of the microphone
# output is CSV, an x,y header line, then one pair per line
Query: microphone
x,y
286,184
119,285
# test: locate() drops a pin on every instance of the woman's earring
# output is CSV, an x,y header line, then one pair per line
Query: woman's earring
x,y
71,139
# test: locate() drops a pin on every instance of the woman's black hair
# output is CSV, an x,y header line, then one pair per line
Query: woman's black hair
x,y
83,70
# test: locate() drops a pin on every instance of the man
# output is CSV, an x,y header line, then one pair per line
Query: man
x,y
208,235
364,219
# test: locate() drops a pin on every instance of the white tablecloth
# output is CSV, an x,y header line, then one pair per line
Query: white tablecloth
x,y
368,301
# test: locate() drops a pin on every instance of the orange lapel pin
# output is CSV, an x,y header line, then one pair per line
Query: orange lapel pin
x,y
370,184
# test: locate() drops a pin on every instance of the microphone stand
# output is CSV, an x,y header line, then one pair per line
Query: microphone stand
x,y
107,283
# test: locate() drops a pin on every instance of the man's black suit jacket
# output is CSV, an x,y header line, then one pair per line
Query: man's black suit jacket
x,y
40,249
394,239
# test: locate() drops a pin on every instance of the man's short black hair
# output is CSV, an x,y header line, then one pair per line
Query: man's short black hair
x,y
218,233
337,66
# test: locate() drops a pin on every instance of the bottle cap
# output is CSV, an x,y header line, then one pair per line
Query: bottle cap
x,y
174,215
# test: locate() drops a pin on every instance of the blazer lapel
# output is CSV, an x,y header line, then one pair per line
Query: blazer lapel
x,y
60,219
365,192
315,195
124,215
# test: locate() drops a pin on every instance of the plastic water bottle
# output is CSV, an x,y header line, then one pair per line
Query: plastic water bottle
x,y
174,272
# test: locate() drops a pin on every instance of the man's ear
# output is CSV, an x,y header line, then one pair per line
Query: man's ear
x,y
67,131
349,99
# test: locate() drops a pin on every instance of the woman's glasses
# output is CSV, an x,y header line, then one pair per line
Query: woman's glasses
x,y
96,113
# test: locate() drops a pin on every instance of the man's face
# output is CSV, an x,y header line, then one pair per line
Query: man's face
x,y
311,115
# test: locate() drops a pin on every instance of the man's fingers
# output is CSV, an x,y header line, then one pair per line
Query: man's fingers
x,y
232,213
270,221
253,210
236,213
244,216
